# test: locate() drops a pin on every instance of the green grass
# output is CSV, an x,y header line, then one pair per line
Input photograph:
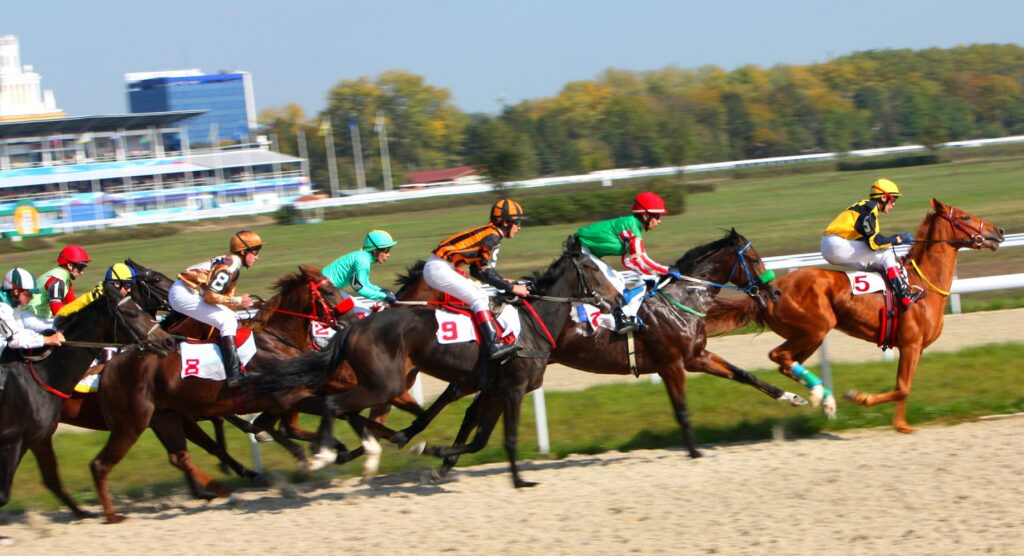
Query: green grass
x,y
948,388
780,213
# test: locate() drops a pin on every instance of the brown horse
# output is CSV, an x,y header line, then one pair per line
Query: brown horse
x,y
674,341
83,410
815,301
136,392
34,389
383,349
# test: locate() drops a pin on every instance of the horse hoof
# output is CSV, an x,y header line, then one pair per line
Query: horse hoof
x,y
792,399
115,518
856,397
418,448
263,436
816,395
905,429
520,483
81,514
6,541
828,406
322,459
399,439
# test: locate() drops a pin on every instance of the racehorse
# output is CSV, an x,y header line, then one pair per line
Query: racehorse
x,y
384,348
815,301
674,341
31,399
83,410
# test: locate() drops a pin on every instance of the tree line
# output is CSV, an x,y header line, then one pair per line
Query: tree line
x,y
670,116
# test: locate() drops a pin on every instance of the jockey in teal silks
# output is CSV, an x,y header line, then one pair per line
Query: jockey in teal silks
x,y
353,270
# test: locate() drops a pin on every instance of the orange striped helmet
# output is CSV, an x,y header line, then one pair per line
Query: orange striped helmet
x,y
507,211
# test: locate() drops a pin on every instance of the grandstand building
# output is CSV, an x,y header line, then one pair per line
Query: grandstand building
x,y
132,169
226,99
21,95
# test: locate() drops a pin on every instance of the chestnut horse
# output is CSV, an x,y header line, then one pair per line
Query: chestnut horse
x,y
34,389
816,300
675,340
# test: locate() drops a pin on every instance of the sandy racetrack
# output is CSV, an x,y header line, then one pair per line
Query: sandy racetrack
x,y
945,490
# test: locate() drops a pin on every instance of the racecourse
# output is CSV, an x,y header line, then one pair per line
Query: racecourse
x,y
944,490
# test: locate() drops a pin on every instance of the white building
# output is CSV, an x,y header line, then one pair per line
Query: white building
x,y
21,97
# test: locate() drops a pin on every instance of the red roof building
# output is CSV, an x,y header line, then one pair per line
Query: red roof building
x,y
461,174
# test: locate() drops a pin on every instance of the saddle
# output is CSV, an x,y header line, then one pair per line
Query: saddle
x,y
888,320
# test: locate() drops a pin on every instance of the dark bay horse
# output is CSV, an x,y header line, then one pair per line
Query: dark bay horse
x,y
383,349
30,402
815,301
674,341
159,398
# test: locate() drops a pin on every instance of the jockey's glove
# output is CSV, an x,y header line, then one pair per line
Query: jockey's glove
x,y
674,273
905,237
389,296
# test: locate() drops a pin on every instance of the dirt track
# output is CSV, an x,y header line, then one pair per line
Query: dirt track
x,y
945,490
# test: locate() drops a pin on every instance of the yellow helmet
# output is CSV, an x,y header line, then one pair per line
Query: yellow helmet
x,y
245,240
884,188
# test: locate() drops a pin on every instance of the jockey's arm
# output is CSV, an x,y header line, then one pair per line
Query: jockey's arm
x,y
636,259
14,334
362,285
867,225
220,290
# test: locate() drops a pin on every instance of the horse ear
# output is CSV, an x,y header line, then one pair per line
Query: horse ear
x,y
937,206
573,246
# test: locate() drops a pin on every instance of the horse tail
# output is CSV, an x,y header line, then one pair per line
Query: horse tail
x,y
726,315
310,370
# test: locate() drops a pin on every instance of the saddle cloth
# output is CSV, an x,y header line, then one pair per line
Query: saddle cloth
x,y
321,334
453,328
865,282
202,360
90,383
592,315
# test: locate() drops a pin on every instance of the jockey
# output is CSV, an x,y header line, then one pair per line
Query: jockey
x,y
15,294
121,276
57,288
478,249
852,240
353,269
624,236
206,292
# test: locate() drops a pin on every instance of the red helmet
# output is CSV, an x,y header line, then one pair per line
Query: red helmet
x,y
649,202
73,254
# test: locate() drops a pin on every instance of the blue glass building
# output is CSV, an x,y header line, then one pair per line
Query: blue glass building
x,y
227,97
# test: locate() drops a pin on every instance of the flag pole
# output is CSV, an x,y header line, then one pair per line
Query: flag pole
x,y
385,156
357,151
332,163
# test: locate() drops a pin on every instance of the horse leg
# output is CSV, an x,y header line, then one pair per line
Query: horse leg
x,y
170,431
674,377
909,357
716,365
122,437
216,448
10,456
791,354
469,422
450,394
512,402
369,445
47,461
483,413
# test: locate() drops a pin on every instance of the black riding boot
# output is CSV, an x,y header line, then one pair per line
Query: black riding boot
x,y
625,324
489,339
904,294
232,367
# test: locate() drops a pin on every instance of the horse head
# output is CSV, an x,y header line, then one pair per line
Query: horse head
x,y
732,259
326,302
151,288
112,317
971,231
575,277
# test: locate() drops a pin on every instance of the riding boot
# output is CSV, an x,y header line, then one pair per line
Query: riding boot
x,y
232,366
485,324
902,289
624,323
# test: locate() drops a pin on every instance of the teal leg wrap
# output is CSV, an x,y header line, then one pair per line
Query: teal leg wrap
x,y
807,378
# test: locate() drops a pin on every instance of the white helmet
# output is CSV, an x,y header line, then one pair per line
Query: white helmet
x,y
19,279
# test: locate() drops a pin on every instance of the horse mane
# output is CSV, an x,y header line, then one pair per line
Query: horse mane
x,y
412,275
543,281
283,285
691,257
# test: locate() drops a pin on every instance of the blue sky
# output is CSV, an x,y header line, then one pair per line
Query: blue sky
x,y
480,50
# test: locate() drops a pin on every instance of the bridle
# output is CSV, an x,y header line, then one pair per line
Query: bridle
x,y
586,294
321,311
754,282
143,342
973,232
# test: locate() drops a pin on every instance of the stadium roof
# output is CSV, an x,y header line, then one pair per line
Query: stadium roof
x,y
83,124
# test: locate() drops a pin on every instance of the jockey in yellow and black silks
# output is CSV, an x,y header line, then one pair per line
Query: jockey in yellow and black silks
x,y
853,240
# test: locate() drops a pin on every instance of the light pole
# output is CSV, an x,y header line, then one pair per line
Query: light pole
x,y
385,157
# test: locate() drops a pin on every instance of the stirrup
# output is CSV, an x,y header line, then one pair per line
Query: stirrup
x,y
502,352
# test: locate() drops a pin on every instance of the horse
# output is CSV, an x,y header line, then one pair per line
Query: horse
x,y
383,349
674,340
31,400
83,410
815,301
157,396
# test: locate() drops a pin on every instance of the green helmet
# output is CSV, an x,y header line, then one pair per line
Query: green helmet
x,y
19,279
377,240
